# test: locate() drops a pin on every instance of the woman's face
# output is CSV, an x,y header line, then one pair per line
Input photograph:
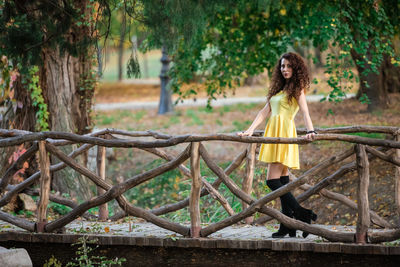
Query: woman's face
x,y
286,68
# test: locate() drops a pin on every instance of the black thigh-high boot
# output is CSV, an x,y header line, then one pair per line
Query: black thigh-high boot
x,y
283,229
304,215
285,208
300,213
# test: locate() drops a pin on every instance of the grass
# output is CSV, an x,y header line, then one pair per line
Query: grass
x,y
244,107
240,125
361,134
174,120
195,120
105,119
369,135
139,115
206,110
143,120
225,109
59,208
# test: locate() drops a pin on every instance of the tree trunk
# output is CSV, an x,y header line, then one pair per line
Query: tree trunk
x,y
371,84
99,61
121,48
67,111
165,104
145,65
390,76
318,56
67,84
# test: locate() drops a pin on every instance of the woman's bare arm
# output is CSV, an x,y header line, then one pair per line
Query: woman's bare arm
x,y
262,114
306,115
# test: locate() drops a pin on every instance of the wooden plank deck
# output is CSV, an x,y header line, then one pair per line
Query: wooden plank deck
x,y
238,245
234,237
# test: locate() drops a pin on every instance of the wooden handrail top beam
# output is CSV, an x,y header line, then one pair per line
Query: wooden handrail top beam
x,y
354,129
12,141
338,130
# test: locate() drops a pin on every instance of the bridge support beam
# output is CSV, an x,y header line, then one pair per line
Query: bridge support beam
x,y
397,178
248,179
363,220
194,200
45,180
101,172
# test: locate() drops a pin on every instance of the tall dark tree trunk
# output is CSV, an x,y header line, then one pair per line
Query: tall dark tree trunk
x,y
121,48
165,104
304,52
371,84
250,80
318,56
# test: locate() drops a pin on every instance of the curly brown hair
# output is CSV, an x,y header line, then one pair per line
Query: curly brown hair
x,y
300,79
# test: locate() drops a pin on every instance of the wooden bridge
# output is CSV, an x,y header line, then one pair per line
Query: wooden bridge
x,y
197,235
145,244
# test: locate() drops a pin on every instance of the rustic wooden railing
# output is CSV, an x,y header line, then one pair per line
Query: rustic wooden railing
x,y
48,142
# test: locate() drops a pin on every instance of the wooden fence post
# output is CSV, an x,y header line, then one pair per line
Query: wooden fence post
x,y
101,171
194,200
248,179
44,193
363,219
397,177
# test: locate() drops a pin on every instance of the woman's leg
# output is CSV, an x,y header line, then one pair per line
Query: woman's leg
x,y
275,171
288,201
302,214
285,171
284,179
284,175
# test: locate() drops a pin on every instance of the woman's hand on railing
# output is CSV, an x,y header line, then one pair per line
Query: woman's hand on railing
x,y
310,135
248,132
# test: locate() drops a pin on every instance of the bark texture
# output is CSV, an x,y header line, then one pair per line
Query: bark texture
x,y
67,83
390,76
60,85
363,219
66,78
377,85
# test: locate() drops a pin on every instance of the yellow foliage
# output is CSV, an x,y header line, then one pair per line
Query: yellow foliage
x,y
176,186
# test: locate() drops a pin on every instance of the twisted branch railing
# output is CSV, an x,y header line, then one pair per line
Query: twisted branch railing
x,y
48,142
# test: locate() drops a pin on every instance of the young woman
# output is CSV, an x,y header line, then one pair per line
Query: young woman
x,y
289,81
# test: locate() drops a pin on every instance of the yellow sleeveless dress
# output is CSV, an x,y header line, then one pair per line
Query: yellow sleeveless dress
x,y
281,124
